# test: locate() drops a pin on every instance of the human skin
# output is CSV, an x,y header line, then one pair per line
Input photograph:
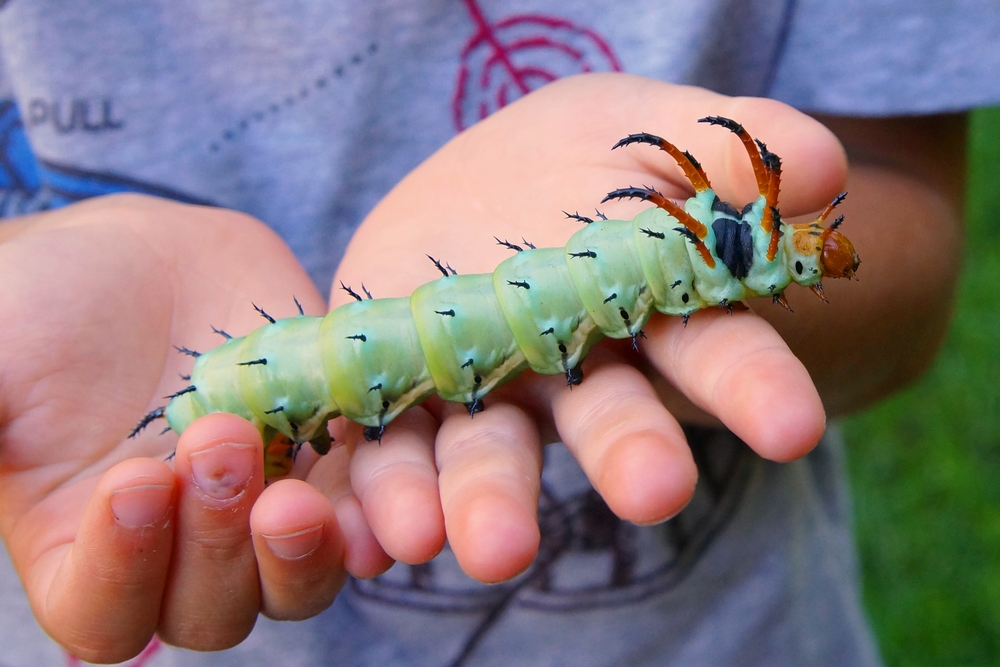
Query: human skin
x,y
94,295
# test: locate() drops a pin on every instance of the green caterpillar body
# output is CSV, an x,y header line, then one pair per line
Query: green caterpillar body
x,y
462,335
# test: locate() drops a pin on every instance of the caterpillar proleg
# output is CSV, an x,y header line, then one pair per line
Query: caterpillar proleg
x,y
543,308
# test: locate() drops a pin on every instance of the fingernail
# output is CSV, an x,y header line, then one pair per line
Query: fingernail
x,y
297,545
223,472
142,506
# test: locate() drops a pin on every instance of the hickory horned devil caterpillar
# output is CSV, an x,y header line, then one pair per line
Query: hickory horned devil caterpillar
x,y
543,308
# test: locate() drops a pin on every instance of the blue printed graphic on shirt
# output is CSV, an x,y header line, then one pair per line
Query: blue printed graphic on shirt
x,y
29,184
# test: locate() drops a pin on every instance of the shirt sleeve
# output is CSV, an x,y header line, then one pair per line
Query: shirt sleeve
x,y
889,57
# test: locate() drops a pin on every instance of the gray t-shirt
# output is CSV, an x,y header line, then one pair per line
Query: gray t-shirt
x,y
306,114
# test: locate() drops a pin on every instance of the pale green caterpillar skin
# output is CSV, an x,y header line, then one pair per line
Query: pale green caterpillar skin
x,y
462,335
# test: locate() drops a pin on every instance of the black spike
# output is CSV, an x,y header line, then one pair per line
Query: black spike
x,y
222,333
507,244
280,408
367,293
347,289
166,429
474,406
528,243
651,234
190,353
632,192
776,216
580,218
519,283
158,413
263,314
640,138
374,433
375,388
675,283
448,313
468,363
360,337
687,233
838,199
255,362
600,215
771,161
186,390
186,378
614,295
440,268
587,253
685,319
727,123
298,305
550,330
837,223
697,165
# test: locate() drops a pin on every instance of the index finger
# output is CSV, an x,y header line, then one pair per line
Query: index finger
x,y
736,367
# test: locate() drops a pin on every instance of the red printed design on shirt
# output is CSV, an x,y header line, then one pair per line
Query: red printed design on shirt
x,y
509,58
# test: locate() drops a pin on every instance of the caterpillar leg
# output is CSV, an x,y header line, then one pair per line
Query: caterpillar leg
x,y
374,432
695,231
692,169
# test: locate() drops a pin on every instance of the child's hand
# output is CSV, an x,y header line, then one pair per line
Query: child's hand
x,y
110,547
511,177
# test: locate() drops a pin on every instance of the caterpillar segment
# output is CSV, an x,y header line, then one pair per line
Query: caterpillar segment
x,y
460,336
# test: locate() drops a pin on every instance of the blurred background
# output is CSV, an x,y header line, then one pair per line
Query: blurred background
x,y
925,466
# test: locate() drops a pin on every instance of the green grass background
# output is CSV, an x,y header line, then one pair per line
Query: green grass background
x,y
925,466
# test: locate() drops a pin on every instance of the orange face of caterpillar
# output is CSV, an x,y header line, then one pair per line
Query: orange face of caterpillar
x,y
838,258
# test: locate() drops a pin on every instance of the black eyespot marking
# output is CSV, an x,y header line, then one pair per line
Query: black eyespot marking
x,y
798,267
562,348
385,405
685,297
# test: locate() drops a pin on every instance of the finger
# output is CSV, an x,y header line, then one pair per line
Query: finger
x,y
364,557
396,481
100,595
738,368
299,548
490,470
632,450
213,594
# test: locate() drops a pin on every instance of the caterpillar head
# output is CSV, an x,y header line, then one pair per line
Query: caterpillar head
x,y
814,253
839,259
